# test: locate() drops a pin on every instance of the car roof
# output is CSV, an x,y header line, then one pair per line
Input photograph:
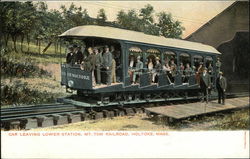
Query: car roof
x,y
134,36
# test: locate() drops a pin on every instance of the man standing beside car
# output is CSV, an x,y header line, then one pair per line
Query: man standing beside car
x,y
205,84
221,85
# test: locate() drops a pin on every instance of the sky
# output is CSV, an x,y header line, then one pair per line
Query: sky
x,y
192,14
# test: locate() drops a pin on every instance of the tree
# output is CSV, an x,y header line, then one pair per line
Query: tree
x,y
146,13
101,15
169,27
144,22
75,16
18,19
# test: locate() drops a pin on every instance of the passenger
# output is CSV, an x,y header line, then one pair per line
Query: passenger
x,y
90,64
193,70
98,65
221,85
218,66
210,69
167,69
112,50
118,66
131,68
151,68
113,69
158,68
138,69
70,55
101,50
107,64
173,68
187,72
74,57
85,53
79,55
199,72
205,84
182,68
210,72
150,65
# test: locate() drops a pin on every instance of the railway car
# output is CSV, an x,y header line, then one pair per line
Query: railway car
x,y
146,48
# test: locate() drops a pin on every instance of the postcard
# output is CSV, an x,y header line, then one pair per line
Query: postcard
x,y
124,79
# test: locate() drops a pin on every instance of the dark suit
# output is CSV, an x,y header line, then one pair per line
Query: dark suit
x,y
90,62
187,74
78,57
69,58
158,70
98,67
107,64
221,85
205,82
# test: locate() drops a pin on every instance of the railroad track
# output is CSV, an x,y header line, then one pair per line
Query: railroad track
x,y
28,117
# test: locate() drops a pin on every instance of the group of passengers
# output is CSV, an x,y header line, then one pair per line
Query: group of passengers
x,y
167,67
100,61
104,62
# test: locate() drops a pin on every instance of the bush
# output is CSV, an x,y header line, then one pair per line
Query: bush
x,y
10,68
20,93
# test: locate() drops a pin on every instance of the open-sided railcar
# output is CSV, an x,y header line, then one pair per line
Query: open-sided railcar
x,y
136,43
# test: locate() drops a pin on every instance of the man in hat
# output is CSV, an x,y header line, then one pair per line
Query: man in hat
x,y
173,68
113,73
98,65
91,61
138,69
187,73
131,67
221,85
182,68
218,66
78,57
205,84
70,55
158,68
107,64
199,72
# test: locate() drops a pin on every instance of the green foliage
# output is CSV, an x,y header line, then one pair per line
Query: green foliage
x,y
169,27
21,93
33,21
146,13
144,22
11,68
102,15
75,16
18,19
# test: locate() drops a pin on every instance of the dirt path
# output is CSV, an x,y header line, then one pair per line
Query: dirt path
x,y
54,69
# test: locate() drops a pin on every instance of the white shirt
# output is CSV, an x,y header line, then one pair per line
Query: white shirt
x,y
150,65
131,64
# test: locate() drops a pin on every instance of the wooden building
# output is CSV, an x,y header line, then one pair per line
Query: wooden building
x,y
228,32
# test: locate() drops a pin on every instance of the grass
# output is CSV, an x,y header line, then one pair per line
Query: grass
x,y
26,91
235,120
50,56
36,87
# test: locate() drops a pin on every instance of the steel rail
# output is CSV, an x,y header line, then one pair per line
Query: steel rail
x,y
18,117
45,106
